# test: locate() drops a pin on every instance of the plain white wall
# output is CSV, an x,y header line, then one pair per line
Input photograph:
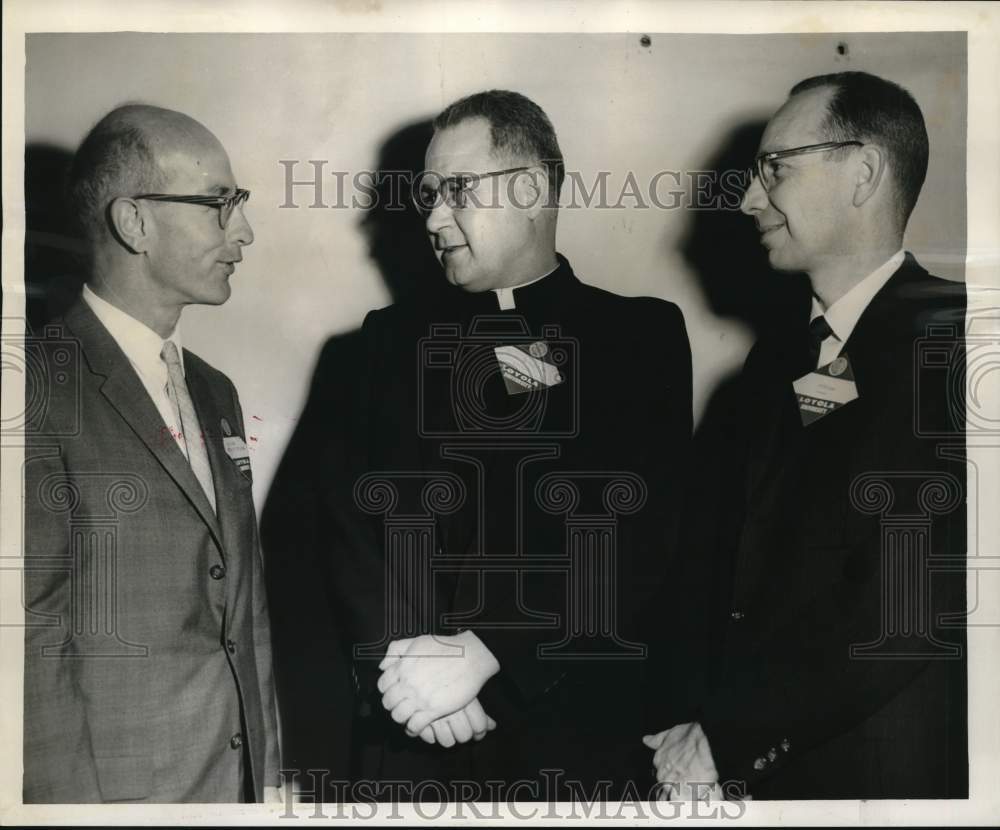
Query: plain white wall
x,y
617,105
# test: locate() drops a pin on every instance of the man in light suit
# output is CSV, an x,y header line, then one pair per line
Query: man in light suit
x,y
148,662
839,669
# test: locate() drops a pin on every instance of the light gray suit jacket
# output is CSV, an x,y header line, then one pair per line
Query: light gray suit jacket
x,y
148,658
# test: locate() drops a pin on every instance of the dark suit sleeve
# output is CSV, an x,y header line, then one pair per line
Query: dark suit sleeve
x,y
262,643
350,542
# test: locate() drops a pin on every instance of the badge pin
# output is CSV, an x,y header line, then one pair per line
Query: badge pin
x,y
226,429
838,367
538,349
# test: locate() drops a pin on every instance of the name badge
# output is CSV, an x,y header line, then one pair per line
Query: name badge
x,y
236,449
528,367
825,390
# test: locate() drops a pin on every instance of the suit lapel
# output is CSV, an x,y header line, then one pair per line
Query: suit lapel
x,y
125,393
883,329
224,473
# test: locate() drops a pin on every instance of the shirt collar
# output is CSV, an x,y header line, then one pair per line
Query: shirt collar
x,y
843,315
142,345
505,296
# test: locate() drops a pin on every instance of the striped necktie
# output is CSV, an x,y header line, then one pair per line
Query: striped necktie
x,y
194,439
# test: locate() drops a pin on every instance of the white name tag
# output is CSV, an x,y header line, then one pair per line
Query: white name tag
x,y
236,449
527,367
826,390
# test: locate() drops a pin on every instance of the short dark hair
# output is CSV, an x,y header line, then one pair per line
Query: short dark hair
x,y
518,127
869,108
115,159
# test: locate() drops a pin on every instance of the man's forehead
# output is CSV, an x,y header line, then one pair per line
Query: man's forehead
x,y
798,122
464,147
202,165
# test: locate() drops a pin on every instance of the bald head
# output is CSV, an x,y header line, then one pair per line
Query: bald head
x,y
130,151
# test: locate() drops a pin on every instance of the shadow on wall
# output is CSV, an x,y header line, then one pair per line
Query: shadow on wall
x,y
312,664
54,255
397,238
723,249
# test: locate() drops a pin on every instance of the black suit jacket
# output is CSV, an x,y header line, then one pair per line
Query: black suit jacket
x,y
430,442
839,672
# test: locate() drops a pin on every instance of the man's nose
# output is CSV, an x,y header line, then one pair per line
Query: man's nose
x,y
439,217
238,229
754,198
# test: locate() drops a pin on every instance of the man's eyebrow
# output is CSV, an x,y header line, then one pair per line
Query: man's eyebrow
x,y
221,190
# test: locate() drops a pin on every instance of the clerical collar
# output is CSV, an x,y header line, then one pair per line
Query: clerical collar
x,y
505,296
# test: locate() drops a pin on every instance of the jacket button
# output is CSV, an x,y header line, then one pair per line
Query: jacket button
x,y
217,572
736,615
759,764
236,741
231,646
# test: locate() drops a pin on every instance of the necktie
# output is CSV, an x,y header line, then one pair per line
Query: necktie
x,y
819,330
194,439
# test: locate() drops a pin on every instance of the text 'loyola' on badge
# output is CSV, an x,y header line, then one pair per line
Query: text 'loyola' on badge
x,y
826,390
527,367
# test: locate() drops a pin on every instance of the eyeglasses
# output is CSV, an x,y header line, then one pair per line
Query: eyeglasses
x,y
225,204
766,171
451,190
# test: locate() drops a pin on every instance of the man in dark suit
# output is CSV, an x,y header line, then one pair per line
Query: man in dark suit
x,y
515,445
147,653
840,669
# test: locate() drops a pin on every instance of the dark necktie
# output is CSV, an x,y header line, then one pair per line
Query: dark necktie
x,y
819,330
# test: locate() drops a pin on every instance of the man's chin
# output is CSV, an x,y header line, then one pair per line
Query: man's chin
x,y
219,295
461,278
780,261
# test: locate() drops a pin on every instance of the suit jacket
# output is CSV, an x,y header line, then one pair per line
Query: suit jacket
x,y
495,490
147,664
840,674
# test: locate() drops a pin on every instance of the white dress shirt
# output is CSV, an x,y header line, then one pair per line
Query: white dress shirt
x,y
142,347
843,315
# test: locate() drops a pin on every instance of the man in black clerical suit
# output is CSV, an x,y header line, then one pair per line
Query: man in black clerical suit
x,y
840,667
504,490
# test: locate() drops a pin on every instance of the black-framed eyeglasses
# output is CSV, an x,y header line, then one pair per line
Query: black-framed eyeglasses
x,y
765,170
432,190
225,204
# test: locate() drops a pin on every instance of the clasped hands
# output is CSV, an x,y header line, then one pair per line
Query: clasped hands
x,y
430,684
684,764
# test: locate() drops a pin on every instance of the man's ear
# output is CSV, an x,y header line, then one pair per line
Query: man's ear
x,y
870,172
530,190
129,224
